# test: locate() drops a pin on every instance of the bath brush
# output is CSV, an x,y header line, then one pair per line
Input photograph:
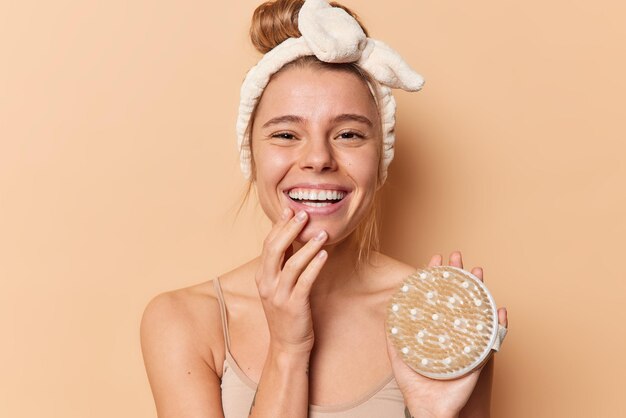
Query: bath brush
x,y
444,322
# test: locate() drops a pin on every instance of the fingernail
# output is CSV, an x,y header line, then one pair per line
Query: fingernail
x,y
285,213
322,254
301,216
320,235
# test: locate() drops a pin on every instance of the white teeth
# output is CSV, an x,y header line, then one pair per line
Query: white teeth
x,y
317,204
307,194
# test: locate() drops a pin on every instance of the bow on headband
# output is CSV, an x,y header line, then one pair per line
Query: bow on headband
x,y
333,36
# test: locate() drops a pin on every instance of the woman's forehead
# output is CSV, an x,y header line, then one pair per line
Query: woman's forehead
x,y
314,93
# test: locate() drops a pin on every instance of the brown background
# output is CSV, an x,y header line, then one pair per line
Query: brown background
x,y
119,180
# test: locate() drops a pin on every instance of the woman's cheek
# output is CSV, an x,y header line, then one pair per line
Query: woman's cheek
x,y
271,167
364,167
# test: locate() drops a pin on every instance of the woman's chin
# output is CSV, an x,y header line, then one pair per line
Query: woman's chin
x,y
311,231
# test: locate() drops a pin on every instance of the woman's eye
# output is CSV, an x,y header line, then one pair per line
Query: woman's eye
x,y
350,135
283,135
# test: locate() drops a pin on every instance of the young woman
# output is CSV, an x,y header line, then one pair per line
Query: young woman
x,y
300,330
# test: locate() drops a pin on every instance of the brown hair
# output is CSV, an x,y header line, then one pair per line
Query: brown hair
x,y
276,21
273,22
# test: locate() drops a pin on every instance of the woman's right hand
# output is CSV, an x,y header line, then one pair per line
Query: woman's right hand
x,y
284,281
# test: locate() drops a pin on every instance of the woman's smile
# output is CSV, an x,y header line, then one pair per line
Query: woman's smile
x,y
317,199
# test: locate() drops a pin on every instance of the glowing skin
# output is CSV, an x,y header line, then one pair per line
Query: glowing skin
x,y
317,129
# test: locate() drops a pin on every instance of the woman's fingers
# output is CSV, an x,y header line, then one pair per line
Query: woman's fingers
x,y
503,318
276,244
307,278
478,272
298,263
276,228
288,253
456,260
284,218
436,260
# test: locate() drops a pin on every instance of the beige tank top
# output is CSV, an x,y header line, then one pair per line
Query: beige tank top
x,y
383,401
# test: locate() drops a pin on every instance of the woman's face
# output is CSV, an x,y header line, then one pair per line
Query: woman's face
x,y
316,147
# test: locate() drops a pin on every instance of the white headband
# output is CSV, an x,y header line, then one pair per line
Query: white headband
x,y
333,36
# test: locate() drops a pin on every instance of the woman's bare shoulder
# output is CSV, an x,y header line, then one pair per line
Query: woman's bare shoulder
x,y
390,269
191,317
187,320
183,349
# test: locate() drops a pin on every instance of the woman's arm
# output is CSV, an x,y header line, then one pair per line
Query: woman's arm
x,y
284,280
283,390
184,383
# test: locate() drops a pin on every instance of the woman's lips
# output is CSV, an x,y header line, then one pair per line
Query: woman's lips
x,y
318,207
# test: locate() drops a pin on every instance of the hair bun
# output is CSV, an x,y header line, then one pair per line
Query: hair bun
x,y
273,22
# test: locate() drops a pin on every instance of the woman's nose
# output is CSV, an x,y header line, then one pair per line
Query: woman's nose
x,y
317,155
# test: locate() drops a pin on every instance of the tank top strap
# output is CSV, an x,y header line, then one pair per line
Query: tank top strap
x,y
223,314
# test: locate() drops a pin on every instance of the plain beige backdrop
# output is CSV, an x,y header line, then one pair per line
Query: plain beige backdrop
x,y
119,180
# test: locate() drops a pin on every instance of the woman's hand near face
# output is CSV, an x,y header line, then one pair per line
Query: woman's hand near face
x,y
430,398
284,281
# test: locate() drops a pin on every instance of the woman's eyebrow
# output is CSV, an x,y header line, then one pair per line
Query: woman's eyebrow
x,y
346,117
283,119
